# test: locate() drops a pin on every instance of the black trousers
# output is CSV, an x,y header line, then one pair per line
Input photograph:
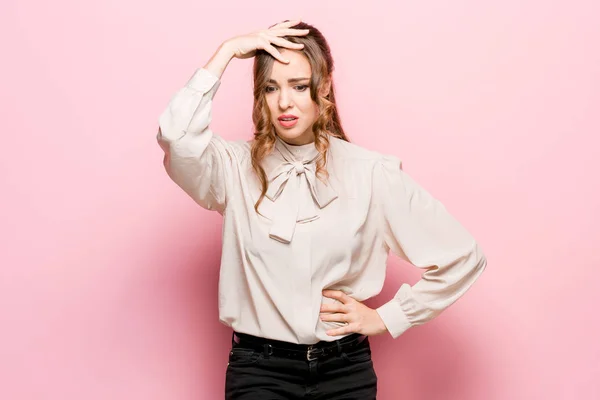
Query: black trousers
x,y
259,373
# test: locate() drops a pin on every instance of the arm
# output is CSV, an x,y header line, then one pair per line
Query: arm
x,y
220,60
195,159
418,228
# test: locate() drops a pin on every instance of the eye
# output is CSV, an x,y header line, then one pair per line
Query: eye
x,y
301,88
270,89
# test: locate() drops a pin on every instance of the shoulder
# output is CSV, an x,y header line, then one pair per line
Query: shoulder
x,y
238,149
360,155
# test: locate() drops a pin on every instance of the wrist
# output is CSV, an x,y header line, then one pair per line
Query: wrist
x,y
220,59
226,50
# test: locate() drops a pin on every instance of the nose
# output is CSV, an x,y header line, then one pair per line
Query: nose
x,y
284,100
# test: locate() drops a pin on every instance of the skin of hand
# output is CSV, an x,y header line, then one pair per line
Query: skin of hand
x,y
359,318
245,46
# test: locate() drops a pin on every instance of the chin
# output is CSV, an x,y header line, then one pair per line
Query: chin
x,y
288,135
293,135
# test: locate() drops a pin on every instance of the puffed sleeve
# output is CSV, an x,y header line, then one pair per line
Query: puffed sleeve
x,y
418,228
195,158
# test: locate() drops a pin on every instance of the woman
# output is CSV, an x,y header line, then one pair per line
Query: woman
x,y
309,220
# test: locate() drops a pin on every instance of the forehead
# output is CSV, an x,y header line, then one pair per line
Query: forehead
x,y
298,67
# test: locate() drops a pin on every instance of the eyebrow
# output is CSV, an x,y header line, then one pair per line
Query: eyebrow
x,y
291,80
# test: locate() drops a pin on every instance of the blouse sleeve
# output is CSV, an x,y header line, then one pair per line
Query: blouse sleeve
x,y
195,158
418,228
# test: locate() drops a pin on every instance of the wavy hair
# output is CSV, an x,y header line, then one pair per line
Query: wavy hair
x,y
318,53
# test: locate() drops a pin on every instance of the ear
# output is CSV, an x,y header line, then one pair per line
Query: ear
x,y
326,86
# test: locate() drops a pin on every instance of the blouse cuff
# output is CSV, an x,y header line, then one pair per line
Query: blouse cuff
x,y
394,318
202,80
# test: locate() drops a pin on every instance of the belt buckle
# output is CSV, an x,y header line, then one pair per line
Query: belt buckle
x,y
309,353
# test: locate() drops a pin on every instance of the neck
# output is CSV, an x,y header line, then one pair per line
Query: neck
x,y
299,141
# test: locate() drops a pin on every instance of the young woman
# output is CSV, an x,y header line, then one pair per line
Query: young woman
x,y
309,220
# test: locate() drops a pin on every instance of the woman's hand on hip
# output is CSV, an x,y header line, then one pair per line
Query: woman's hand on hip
x,y
359,318
245,46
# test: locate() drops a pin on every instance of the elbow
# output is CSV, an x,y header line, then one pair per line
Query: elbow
x,y
480,259
168,130
165,144
160,138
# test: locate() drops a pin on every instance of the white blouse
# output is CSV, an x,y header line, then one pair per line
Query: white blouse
x,y
310,236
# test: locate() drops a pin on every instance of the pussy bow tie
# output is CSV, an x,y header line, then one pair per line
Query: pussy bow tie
x,y
296,192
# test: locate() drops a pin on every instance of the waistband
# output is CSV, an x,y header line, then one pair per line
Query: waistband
x,y
308,352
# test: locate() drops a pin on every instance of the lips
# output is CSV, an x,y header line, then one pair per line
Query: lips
x,y
287,120
287,117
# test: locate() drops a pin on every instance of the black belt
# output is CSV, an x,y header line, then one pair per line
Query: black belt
x,y
308,352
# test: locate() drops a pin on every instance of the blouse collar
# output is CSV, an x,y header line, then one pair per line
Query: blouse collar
x,y
294,189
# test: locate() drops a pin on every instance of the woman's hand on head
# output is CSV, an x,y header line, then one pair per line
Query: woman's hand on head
x,y
245,46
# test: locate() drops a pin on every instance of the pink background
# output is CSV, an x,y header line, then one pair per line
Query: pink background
x,y
109,272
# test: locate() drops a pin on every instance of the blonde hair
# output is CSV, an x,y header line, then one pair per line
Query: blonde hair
x,y
328,122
